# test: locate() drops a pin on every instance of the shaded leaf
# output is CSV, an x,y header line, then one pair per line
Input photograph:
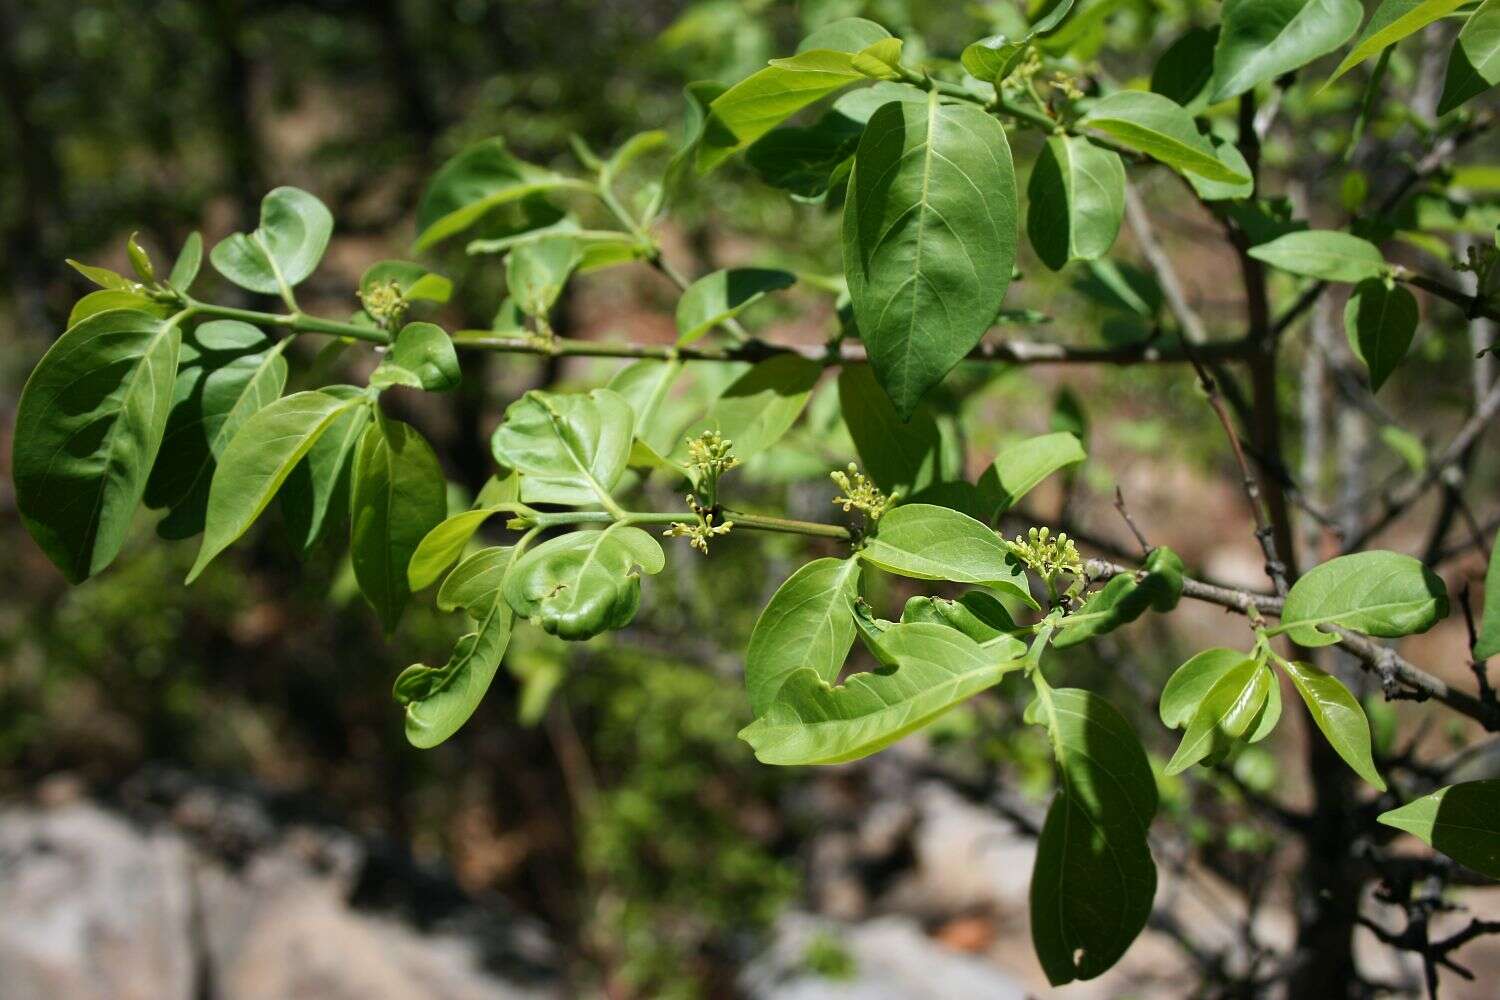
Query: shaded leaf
x,y
470,185
1474,61
899,456
757,408
722,295
315,497
1323,253
1125,598
88,428
1462,821
422,357
1020,466
1489,629
1076,201
1381,321
1263,39
1224,715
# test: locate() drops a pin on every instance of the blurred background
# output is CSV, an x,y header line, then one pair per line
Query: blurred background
x,y
206,791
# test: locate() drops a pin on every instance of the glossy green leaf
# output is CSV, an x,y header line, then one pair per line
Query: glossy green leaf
x,y
283,250
1224,714
315,497
140,260
1076,200
537,272
1021,466
722,295
583,583
928,542
1323,253
1489,629
445,543
1270,714
808,624
899,456
88,427
760,102
1462,821
474,581
1381,321
422,357
226,371
1160,128
472,184
189,260
439,700
1263,39
757,408
813,721
1093,881
1474,61
845,34
1392,21
1126,597
258,460
929,239
993,59
1193,680
571,448
398,495
104,299
1338,714
1384,594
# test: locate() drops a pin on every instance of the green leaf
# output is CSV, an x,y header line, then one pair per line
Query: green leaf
x,y
808,624
258,460
283,250
1185,69
1263,39
474,581
1489,629
398,495
468,187
1338,714
765,99
1224,715
814,722
580,584
421,358
189,260
537,272
88,427
807,160
104,299
140,260
976,614
1093,882
1193,680
105,278
846,34
1324,254
1160,128
929,239
1229,155
696,122
758,408
927,542
1383,594
444,543
438,701
315,496
993,59
1381,321
1462,821
571,448
1125,598
722,295
226,371
906,457
1076,201
1392,21
1474,62
1019,467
